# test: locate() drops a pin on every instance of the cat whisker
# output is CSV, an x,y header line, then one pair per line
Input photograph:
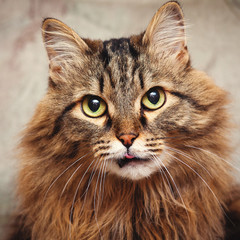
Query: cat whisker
x,y
163,178
97,163
188,157
56,179
95,195
213,154
75,196
64,188
95,167
164,175
91,178
104,178
206,184
93,173
103,174
69,179
176,187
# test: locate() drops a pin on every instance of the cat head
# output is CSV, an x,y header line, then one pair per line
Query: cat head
x,y
122,104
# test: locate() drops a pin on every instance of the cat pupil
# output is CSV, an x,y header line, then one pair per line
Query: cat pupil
x,y
153,96
93,104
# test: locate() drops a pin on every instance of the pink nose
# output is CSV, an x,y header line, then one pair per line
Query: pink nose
x,y
127,139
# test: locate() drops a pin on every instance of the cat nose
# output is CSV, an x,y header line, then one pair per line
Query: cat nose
x,y
127,139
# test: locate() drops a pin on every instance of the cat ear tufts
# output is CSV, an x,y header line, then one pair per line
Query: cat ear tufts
x,y
165,35
63,45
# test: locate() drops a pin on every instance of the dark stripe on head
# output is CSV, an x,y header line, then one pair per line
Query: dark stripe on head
x,y
193,102
57,127
57,124
119,45
143,120
115,45
101,83
68,108
109,123
141,79
74,150
171,126
104,56
134,53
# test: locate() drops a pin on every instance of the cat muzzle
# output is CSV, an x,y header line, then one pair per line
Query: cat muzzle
x,y
130,160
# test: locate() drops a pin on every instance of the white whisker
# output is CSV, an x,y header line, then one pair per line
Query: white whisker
x,y
189,157
176,187
61,175
69,179
213,154
75,196
97,163
95,195
206,184
101,183
161,171
104,178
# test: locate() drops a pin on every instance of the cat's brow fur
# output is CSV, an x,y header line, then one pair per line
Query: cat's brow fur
x,y
70,186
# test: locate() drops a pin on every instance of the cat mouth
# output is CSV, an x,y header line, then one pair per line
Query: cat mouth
x,y
133,161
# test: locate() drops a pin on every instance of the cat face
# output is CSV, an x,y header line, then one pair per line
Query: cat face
x,y
123,116
127,101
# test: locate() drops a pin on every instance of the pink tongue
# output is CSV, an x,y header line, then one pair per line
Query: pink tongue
x,y
128,156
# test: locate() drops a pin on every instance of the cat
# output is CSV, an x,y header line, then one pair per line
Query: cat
x,y
129,142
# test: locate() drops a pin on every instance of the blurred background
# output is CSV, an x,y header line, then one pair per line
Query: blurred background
x,y
213,42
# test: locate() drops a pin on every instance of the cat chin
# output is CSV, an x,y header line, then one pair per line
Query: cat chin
x,y
135,171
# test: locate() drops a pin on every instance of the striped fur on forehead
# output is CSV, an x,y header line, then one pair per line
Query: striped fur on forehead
x,y
121,61
118,47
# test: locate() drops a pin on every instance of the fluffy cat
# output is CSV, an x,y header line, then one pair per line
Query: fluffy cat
x,y
130,142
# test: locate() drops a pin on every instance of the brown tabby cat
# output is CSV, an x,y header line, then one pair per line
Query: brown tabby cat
x,y
130,142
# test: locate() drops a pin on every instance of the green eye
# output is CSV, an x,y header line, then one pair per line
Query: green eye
x,y
154,98
93,106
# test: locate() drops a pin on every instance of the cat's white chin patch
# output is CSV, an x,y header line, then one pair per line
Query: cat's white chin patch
x,y
135,164
134,170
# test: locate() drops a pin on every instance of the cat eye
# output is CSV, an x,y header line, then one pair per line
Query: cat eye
x,y
153,99
93,106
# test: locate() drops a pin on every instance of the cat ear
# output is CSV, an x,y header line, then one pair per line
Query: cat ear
x,y
63,45
165,35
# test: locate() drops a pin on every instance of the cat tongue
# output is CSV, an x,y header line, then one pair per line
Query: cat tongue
x,y
129,156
